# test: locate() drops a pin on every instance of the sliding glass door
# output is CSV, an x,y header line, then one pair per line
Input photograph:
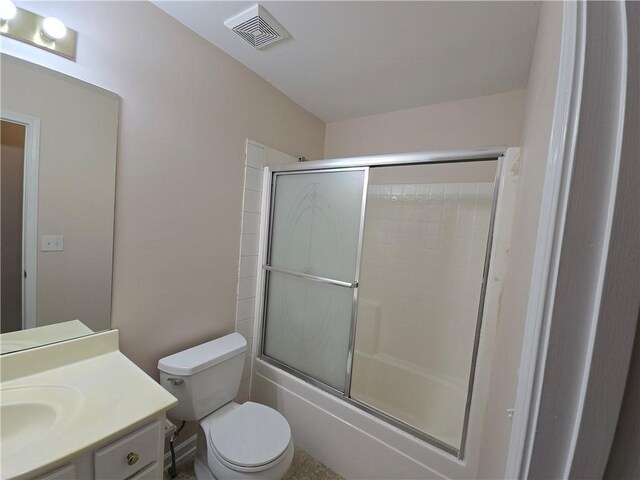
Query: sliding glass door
x,y
312,267
398,337
421,285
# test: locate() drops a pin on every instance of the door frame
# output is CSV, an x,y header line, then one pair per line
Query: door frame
x,y
29,213
578,340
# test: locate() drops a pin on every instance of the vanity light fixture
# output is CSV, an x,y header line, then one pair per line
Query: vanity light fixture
x,y
8,10
48,33
53,29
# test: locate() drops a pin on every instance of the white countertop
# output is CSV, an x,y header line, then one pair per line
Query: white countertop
x,y
115,396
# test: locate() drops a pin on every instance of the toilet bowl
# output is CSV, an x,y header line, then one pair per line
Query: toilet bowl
x,y
244,441
234,441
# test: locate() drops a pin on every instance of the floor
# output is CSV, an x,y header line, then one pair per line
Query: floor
x,y
303,467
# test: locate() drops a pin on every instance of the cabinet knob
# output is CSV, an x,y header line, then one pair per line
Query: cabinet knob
x,y
132,458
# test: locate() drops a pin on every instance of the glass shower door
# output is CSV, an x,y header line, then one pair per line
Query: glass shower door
x,y
312,267
417,293
424,262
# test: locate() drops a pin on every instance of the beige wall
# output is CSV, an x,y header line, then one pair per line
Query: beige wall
x,y
77,167
536,136
183,126
475,122
12,163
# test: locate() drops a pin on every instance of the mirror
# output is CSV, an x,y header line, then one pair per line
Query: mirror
x,y
57,193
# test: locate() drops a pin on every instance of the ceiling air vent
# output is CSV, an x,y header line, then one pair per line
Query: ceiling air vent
x,y
257,27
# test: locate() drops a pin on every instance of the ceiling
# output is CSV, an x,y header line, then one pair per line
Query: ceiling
x,y
350,59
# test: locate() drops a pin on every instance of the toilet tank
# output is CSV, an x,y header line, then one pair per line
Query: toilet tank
x,y
205,377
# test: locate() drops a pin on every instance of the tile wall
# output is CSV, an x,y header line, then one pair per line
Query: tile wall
x,y
423,258
257,157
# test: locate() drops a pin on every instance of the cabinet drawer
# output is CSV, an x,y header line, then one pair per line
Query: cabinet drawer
x,y
128,455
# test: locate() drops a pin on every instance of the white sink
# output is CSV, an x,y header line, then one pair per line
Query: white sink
x,y
31,414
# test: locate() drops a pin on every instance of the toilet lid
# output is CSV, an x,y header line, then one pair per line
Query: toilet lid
x,y
250,435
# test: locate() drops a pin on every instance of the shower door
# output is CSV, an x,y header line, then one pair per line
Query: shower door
x,y
397,338
424,261
313,258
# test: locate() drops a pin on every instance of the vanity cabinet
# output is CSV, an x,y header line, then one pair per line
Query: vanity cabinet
x,y
110,415
136,455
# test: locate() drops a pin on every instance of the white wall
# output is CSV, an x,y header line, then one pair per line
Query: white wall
x,y
76,189
541,93
187,110
475,122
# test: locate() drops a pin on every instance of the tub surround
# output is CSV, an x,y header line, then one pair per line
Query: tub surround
x,y
109,397
377,448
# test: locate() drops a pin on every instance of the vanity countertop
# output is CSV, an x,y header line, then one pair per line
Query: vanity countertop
x,y
103,392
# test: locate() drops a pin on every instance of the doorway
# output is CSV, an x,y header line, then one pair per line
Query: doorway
x,y
18,220
11,224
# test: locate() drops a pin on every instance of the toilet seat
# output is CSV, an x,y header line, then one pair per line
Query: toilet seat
x,y
251,437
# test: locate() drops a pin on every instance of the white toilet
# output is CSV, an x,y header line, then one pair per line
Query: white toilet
x,y
248,441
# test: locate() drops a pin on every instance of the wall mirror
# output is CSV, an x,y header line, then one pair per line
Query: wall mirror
x,y
57,192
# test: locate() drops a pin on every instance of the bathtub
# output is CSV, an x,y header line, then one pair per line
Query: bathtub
x,y
431,403
352,442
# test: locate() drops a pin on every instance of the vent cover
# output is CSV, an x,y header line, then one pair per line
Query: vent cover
x,y
257,27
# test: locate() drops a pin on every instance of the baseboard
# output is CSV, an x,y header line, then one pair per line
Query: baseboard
x,y
183,450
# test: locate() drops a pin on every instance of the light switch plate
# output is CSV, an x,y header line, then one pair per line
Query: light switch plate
x,y
52,243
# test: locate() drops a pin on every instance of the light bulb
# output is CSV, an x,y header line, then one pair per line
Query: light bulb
x,y
7,10
53,29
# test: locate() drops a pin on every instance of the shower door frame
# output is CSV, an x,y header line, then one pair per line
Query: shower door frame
x,y
364,163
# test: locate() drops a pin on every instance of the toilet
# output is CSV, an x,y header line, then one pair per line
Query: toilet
x,y
234,441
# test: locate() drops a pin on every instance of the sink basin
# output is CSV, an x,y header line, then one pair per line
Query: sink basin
x,y
30,414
